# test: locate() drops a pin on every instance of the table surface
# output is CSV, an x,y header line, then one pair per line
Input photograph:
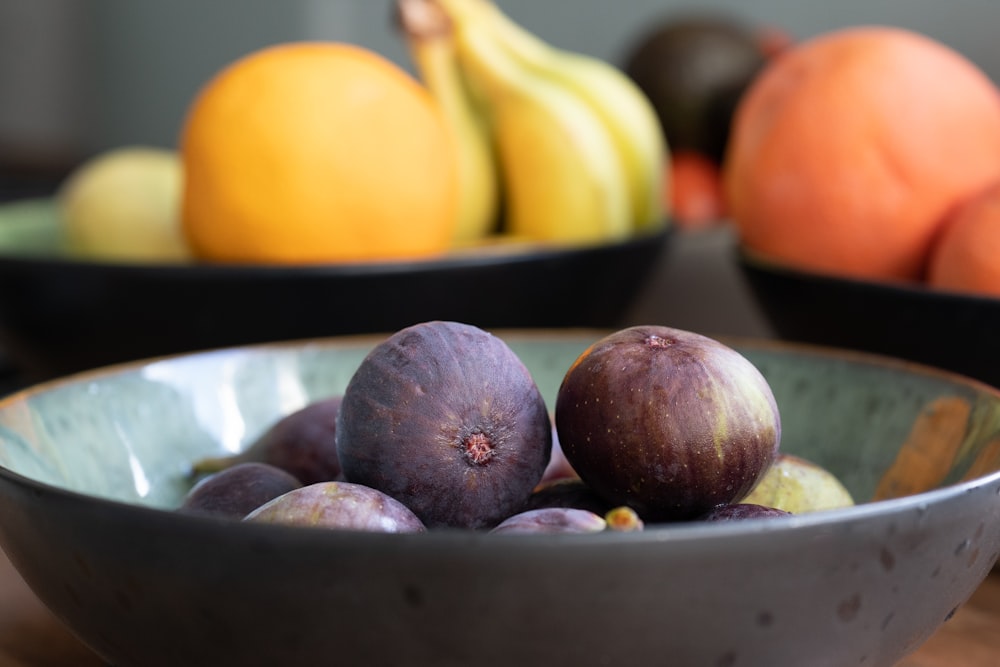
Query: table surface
x,y
31,637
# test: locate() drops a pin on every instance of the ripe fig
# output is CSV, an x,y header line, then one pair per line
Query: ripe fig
x,y
668,422
552,520
737,511
445,417
238,490
558,467
797,485
303,443
339,505
566,492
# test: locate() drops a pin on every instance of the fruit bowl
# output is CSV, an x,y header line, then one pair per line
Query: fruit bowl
x,y
952,331
59,315
93,465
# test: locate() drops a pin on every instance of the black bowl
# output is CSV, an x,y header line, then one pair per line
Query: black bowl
x,y
957,332
60,315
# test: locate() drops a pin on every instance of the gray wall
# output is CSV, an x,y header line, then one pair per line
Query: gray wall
x,y
85,75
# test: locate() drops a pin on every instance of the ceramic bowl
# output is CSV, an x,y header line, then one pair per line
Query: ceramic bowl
x,y
945,329
93,465
60,315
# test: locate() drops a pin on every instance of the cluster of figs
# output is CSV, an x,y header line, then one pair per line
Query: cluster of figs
x,y
443,426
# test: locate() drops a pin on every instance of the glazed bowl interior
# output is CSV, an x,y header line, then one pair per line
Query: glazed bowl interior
x,y
61,314
92,466
945,329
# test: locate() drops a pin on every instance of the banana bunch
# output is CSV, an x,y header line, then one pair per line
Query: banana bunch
x,y
565,145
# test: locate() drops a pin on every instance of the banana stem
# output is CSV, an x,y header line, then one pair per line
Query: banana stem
x,y
431,35
423,20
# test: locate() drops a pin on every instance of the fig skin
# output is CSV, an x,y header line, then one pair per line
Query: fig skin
x,y
558,467
238,490
552,520
339,505
302,443
740,511
666,421
566,492
445,417
798,485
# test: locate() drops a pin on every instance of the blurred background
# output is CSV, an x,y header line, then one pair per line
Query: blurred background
x,y
81,76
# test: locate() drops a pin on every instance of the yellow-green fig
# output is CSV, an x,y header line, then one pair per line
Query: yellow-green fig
x,y
797,485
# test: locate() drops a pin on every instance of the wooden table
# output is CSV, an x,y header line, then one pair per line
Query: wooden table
x,y
31,637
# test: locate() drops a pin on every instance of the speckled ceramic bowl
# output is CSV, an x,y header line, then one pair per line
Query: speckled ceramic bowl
x,y
92,466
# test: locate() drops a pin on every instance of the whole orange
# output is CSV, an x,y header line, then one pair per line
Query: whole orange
x,y
316,152
966,256
850,148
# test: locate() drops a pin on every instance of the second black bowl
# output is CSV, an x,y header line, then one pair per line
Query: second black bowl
x,y
60,315
957,332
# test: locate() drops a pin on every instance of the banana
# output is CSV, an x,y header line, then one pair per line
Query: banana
x,y
430,39
562,176
625,110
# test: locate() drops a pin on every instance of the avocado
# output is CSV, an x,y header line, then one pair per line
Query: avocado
x,y
694,69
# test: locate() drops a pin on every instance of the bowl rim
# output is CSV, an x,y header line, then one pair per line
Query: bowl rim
x,y
679,533
517,252
653,534
755,260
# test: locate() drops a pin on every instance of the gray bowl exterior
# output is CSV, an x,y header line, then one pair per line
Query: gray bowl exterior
x,y
146,587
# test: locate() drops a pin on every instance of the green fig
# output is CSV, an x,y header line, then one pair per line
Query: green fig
x,y
797,485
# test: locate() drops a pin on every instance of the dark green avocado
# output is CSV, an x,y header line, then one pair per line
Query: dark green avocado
x,y
694,68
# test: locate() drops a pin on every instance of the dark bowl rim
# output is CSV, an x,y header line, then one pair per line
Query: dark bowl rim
x,y
673,533
754,260
487,256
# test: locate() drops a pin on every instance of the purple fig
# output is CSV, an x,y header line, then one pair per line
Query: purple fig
x,y
552,520
339,505
737,511
444,417
668,422
303,443
566,492
558,467
238,490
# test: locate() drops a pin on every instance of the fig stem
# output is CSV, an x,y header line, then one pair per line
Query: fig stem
x,y
212,465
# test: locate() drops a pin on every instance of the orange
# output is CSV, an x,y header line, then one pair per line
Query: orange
x,y
316,152
850,148
966,256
